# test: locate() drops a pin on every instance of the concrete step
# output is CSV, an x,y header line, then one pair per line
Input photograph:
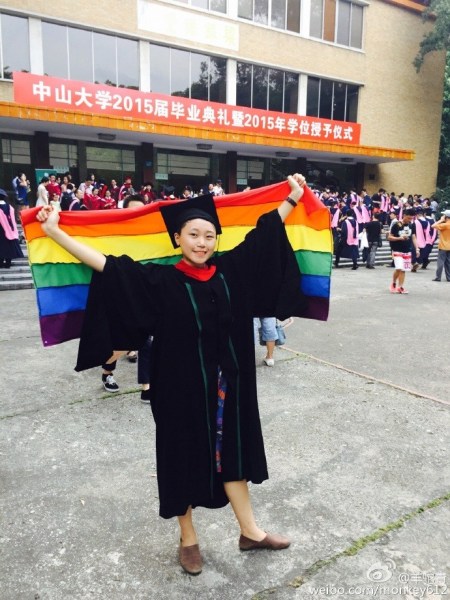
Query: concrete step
x,y
15,268
24,284
10,275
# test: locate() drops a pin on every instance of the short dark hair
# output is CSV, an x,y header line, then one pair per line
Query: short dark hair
x,y
133,198
410,212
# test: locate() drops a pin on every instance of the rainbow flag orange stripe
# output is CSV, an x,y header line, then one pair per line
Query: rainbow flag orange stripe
x,y
62,282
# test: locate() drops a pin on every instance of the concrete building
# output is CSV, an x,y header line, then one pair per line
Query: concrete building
x,y
187,91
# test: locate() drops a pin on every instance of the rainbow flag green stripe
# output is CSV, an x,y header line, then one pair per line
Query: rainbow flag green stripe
x,y
49,275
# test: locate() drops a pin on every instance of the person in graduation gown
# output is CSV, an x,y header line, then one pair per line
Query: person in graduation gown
x,y
348,245
9,235
209,443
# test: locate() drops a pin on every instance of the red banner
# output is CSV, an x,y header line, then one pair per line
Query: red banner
x,y
51,92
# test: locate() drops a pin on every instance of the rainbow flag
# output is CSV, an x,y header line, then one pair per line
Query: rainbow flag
x,y
62,282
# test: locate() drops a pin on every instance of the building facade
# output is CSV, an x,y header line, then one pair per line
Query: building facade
x,y
187,91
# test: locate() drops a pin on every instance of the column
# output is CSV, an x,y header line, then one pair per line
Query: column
x,y
147,162
41,150
231,172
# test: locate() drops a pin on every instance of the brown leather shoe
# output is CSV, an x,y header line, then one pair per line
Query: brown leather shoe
x,y
270,542
190,559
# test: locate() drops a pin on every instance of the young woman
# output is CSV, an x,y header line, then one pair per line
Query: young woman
x,y
200,313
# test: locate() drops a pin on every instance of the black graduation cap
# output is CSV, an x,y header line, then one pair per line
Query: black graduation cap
x,y
200,207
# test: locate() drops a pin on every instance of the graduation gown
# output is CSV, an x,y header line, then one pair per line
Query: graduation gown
x,y
9,248
197,327
346,250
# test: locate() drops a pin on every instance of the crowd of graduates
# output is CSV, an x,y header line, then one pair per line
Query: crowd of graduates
x,y
357,222
96,194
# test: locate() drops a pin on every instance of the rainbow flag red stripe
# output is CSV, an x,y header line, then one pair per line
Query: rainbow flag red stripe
x,y
62,282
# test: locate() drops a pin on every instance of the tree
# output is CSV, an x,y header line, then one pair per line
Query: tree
x,y
439,37
436,40
443,181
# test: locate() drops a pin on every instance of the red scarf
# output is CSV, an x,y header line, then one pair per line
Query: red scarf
x,y
194,272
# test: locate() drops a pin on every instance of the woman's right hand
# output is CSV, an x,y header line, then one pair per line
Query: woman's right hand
x,y
49,217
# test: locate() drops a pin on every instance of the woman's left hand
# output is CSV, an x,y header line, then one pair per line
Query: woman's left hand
x,y
296,183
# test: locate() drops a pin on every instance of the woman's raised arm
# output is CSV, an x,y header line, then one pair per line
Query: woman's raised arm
x,y
49,217
296,183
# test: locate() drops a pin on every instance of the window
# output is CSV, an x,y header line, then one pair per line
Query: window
x,y
212,5
260,89
193,165
356,27
343,24
254,10
104,58
81,61
332,100
293,16
281,14
280,168
15,156
316,19
337,21
351,108
312,97
339,101
278,16
267,89
102,158
56,64
127,63
199,76
15,49
16,151
63,156
188,74
179,74
326,99
160,69
74,53
250,169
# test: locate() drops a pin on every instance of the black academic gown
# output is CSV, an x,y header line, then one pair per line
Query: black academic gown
x,y
197,327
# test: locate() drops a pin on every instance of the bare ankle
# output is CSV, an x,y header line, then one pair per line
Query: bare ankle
x,y
188,539
254,533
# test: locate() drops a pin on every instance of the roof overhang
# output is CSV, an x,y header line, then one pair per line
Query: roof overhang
x,y
22,119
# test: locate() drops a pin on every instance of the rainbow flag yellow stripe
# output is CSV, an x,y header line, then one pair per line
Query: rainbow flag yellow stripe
x,y
62,282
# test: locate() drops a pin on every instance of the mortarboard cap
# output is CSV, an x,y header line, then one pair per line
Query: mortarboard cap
x,y
3,194
200,207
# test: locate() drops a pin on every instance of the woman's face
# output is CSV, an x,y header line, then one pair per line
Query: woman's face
x,y
197,240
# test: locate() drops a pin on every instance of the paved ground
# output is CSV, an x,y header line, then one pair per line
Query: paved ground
x,y
360,469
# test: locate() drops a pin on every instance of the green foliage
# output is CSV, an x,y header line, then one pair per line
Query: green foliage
x,y
435,40
442,195
439,37
444,156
